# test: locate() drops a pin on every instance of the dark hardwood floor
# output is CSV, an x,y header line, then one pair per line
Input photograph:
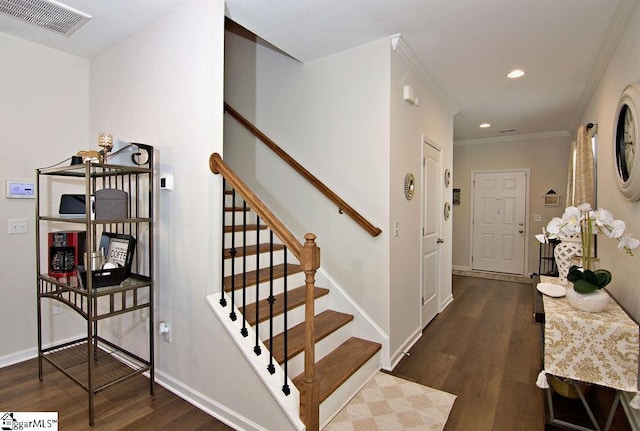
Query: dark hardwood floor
x,y
486,349
125,406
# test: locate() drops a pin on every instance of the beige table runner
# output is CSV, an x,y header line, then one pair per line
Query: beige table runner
x,y
600,348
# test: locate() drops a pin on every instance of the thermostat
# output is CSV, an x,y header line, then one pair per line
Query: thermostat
x,y
20,189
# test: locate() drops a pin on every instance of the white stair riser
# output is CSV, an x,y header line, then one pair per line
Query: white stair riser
x,y
251,236
323,348
229,216
295,280
341,396
295,316
251,262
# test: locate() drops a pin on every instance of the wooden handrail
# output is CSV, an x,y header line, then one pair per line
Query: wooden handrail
x,y
308,254
218,166
342,205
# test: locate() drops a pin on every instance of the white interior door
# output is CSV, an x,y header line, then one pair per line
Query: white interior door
x,y
499,211
431,231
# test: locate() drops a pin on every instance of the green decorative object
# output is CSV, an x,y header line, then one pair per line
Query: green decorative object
x,y
587,281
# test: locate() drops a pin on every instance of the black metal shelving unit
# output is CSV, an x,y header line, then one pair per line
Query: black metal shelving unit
x,y
547,264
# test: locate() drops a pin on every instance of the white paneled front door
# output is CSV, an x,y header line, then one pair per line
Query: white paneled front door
x,y
499,221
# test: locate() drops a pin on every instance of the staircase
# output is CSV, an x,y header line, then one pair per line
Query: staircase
x,y
268,287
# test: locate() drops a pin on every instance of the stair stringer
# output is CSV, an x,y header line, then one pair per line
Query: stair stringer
x,y
290,404
363,325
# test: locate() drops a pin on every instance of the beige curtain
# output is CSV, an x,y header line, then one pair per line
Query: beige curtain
x,y
581,178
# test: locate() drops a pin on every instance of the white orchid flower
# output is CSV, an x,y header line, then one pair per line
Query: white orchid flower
x,y
553,227
583,217
603,217
542,237
627,242
583,207
571,218
617,229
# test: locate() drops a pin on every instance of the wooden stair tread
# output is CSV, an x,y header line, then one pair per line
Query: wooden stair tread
x,y
325,323
240,228
252,250
238,209
335,368
262,275
295,298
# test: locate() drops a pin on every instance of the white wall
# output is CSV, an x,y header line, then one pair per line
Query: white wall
x,y
332,116
163,86
623,69
44,118
547,161
409,124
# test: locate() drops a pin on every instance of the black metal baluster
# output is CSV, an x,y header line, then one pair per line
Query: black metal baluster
x,y
285,386
271,368
232,314
223,300
244,330
256,349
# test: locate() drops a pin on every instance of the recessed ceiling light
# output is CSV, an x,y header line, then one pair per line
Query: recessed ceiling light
x,y
485,125
516,73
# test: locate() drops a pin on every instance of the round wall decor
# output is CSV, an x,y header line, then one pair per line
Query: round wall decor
x,y
447,210
625,143
409,186
447,177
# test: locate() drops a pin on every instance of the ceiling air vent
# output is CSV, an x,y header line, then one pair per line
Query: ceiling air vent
x,y
48,14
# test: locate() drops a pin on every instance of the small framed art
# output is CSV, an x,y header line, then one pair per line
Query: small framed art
x,y
118,250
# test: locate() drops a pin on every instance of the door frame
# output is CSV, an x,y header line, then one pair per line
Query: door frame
x,y
426,140
527,209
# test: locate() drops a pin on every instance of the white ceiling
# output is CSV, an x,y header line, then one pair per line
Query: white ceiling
x,y
111,21
465,46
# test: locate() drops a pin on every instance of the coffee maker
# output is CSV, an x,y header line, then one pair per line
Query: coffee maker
x,y
66,249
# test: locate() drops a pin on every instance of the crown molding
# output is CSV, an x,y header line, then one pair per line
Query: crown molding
x,y
617,26
400,46
514,138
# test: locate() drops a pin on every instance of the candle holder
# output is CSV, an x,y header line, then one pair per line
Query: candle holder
x,y
105,141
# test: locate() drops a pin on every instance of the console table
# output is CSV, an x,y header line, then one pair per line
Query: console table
x,y
597,348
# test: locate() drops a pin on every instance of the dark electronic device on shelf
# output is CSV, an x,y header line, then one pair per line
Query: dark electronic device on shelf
x,y
66,249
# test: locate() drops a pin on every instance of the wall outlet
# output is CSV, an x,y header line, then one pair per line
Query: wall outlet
x,y
165,331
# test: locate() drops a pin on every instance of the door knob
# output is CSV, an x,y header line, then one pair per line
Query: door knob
x,y
440,241
521,231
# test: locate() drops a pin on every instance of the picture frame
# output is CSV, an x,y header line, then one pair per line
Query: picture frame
x,y
456,196
551,199
118,249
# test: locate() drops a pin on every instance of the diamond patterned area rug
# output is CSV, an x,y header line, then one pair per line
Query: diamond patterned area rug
x,y
389,403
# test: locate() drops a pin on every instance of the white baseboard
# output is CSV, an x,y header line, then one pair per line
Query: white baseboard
x,y
18,357
31,353
402,351
206,404
460,268
188,394
448,300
